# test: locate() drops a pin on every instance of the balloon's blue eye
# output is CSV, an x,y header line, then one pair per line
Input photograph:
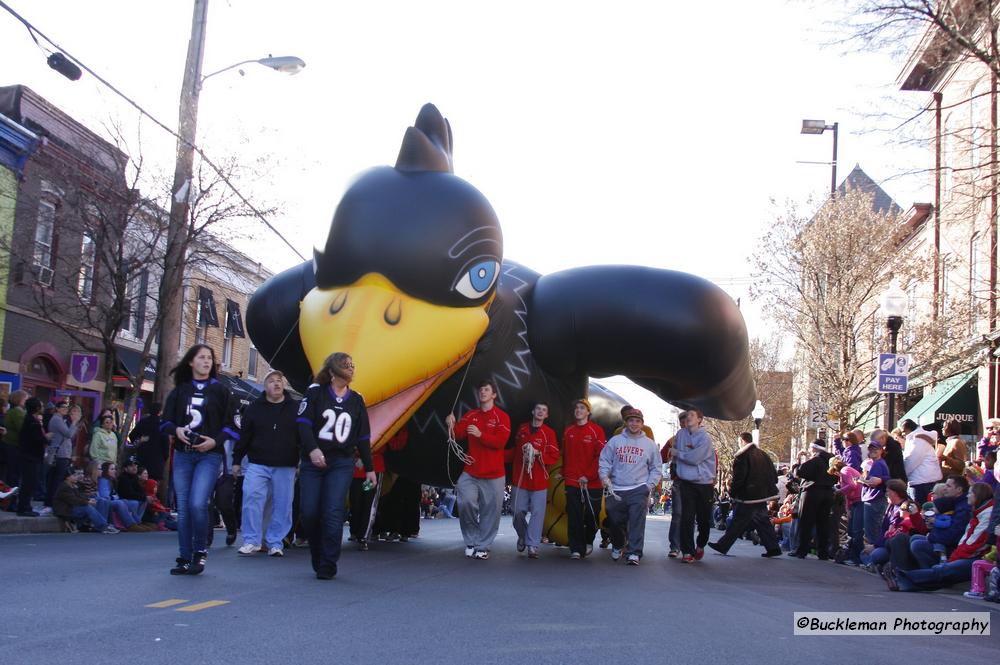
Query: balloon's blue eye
x,y
478,278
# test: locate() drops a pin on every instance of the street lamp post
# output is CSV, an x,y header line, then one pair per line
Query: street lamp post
x,y
171,293
818,127
758,415
893,307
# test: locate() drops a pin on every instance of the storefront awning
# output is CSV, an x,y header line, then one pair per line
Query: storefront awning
x,y
956,397
129,361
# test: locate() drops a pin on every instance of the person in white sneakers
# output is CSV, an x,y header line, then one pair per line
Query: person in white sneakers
x,y
269,440
629,468
481,486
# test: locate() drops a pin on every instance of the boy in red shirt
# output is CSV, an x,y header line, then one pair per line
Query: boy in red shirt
x,y
582,445
480,487
535,448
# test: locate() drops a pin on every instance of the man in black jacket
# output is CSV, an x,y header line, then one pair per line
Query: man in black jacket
x,y
152,446
754,483
817,502
269,439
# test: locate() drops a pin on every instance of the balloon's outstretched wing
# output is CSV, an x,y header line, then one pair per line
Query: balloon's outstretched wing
x,y
678,335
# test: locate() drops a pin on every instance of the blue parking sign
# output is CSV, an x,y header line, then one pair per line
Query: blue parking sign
x,y
893,372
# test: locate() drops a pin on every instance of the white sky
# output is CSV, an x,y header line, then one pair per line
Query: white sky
x,y
652,132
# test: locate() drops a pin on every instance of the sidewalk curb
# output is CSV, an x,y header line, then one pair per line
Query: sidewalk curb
x,y
13,523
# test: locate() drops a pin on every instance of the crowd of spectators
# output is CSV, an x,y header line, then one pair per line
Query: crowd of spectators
x,y
914,506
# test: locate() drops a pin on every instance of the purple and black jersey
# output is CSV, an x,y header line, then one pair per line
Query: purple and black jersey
x,y
335,425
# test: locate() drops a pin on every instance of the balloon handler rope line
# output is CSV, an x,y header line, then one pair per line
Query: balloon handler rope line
x,y
585,500
453,446
373,513
529,457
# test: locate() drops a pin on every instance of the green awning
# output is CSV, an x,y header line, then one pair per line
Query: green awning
x,y
954,397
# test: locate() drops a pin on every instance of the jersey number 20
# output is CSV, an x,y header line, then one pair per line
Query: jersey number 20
x,y
338,427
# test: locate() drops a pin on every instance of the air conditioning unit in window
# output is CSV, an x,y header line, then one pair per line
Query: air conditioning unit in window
x,y
44,275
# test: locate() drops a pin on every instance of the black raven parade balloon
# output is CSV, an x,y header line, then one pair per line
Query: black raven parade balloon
x,y
413,284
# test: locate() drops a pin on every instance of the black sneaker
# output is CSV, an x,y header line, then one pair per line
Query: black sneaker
x,y
183,567
198,564
326,573
230,539
771,553
715,546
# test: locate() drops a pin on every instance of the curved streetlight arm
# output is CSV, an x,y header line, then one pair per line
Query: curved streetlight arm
x,y
224,69
286,64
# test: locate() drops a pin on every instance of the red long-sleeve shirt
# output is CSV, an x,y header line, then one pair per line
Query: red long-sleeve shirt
x,y
544,441
486,451
582,445
378,464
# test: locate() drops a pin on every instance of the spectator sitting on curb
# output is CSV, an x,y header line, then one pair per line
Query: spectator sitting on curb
x,y
156,510
71,504
972,546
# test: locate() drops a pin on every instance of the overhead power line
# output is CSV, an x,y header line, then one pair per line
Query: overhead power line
x,y
33,31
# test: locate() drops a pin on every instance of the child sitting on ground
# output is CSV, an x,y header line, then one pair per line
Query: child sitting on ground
x,y
155,510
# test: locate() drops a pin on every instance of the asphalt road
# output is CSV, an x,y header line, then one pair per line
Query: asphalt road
x,y
86,598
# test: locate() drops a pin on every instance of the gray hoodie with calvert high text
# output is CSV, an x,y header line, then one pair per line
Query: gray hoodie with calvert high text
x,y
630,462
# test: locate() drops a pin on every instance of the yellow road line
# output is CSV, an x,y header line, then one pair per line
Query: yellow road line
x,y
168,603
202,606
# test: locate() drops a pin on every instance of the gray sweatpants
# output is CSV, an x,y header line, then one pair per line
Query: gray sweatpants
x,y
522,503
479,504
628,513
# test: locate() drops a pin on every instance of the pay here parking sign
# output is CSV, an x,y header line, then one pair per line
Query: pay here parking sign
x,y
893,372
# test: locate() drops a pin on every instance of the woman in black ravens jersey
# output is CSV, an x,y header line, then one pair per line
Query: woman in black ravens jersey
x,y
199,415
333,423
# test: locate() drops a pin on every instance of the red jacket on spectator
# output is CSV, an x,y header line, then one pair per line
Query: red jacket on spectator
x,y
975,542
544,441
153,502
486,451
582,445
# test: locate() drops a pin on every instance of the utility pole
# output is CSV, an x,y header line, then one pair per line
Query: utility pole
x,y
171,288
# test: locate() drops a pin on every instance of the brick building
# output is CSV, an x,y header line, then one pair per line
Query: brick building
x,y
58,183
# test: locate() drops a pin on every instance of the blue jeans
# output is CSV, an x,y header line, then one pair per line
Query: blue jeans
x,y
135,508
194,482
447,505
91,513
123,510
258,481
874,512
878,556
856,531
923,551
793,535
323,508
930,579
